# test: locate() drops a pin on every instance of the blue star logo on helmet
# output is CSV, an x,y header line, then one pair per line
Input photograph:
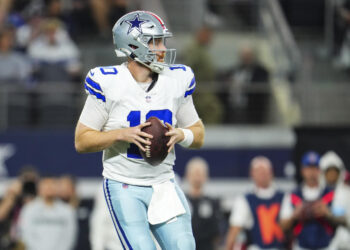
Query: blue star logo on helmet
x,y
135,23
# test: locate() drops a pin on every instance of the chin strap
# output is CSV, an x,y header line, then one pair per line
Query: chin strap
x,y
155,68
151,66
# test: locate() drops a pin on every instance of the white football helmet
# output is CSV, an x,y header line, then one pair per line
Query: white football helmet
x,y
133,33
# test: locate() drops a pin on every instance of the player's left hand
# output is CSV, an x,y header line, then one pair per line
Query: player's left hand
x,y
176,135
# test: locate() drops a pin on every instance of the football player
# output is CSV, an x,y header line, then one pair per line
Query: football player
x,y
120,99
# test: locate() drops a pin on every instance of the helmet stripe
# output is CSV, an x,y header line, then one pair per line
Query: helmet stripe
x,y
158,18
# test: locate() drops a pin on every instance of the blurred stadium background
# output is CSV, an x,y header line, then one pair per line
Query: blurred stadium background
x,y
302,101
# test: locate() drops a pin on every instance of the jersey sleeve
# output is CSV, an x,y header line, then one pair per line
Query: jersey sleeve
x,y
185,78
94,115
187,114
93,85
190,82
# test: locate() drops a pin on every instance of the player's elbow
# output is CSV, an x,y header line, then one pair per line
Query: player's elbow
x,y
80,147
80,139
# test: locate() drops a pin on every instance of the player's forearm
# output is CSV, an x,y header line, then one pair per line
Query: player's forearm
x,y
198,134
88,140
95,141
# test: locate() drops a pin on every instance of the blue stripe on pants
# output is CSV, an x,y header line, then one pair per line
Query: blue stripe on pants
x,y
121,235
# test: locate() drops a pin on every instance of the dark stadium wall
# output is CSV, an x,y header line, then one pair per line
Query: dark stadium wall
x,y
234,163
52,152
304,12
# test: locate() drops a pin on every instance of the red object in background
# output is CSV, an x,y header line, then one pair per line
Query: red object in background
x,y
347,178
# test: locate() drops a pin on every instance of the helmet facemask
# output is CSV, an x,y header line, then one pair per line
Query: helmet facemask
x,y
155,59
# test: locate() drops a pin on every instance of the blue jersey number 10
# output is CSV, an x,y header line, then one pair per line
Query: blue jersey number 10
x,y
134,118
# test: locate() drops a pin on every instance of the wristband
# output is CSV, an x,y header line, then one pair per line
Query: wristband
x,y
188,138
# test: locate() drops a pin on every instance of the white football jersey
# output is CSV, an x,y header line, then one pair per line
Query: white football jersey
x,y
126,104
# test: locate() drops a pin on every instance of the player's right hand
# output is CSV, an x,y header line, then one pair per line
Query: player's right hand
x,y
136,136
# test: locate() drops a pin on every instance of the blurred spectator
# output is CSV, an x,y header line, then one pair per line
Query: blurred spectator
x,y
309,211
47,223
102,231
57,9
20,192
106,12
248,93
347,178
14,67
333,169
257,212
5,6
67,191
55,54
82,20
206,212
29,31
343,34
13,11
199,59
155,6
207,103
200,12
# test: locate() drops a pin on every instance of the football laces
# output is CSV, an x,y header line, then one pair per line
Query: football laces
x,y
148,149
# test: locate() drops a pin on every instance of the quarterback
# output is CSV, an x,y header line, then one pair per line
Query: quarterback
x,y
141,197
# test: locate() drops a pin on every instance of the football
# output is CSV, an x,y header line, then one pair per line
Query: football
x,y
158,150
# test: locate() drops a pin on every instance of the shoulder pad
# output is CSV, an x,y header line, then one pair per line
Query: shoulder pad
x,y
95,80
185,75
101,74
92,85
178,70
